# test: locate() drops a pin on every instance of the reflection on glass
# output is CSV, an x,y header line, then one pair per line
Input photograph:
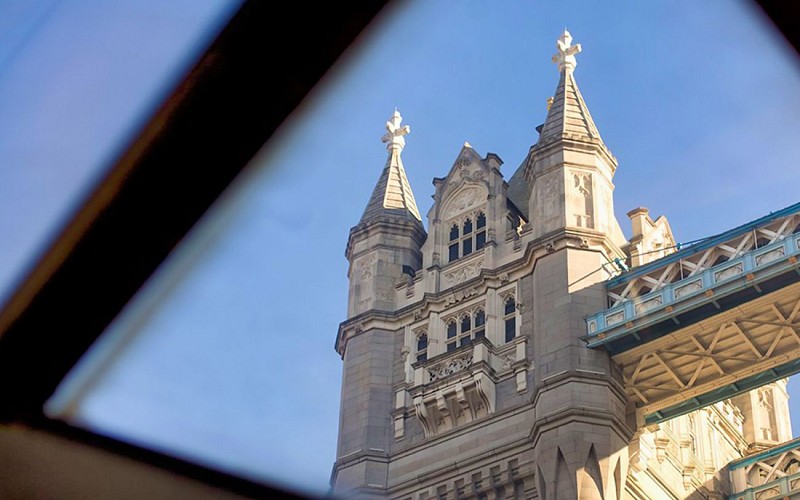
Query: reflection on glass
x,y
226,355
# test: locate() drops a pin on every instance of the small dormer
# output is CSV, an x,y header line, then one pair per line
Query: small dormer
x,y
469,218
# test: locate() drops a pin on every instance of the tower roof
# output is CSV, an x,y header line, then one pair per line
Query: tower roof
x,y
392,194
568,114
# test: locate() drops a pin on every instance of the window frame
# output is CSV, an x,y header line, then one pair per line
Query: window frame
x,y
149,200
460,336
509,318
464,237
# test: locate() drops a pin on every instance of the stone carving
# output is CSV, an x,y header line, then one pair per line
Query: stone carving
x,y
688,288
649,304
582,189
463,161
364,266
394,135
464,273
474,175
565,57
450,366
728,272
459,296
770,256
551,195
464,200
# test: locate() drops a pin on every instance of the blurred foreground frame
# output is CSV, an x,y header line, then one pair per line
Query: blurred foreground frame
x,y
252,76
257,71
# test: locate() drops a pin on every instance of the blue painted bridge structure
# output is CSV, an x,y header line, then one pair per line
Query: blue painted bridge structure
x,y
707,322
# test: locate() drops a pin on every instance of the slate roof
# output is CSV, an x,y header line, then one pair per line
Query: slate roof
x,y
392,194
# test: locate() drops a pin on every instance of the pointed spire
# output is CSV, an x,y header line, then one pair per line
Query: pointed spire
x,y
567,114
392,194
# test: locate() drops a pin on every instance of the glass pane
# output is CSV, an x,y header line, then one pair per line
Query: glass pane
x,y
451,330
184,366
466,324
510,306
511,329
468,226
480,318
465,340
467,245
453,252
451,346
77,81
479,334
480,240
422,357
422,342
481,220
454,232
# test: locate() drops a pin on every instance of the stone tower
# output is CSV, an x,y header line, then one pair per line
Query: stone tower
x,y
464,370
580,433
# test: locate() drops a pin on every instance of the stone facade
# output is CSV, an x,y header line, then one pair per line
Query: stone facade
x,y
464,372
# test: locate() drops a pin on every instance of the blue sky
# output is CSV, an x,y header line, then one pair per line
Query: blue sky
x,y
227,356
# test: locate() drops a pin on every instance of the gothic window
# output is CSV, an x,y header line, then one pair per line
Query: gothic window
x,y
422,346
510,318
468,327
467,237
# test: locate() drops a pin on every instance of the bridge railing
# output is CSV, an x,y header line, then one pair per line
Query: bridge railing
x,y
705,287
772,473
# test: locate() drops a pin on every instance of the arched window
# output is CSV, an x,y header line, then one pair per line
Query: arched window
x,y
422,346
470,326
510,318
467,237
452,334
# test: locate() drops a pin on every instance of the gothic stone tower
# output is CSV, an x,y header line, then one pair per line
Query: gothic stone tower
x,y
464,372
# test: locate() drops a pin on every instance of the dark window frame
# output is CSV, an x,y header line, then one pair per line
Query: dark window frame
x,y
219,116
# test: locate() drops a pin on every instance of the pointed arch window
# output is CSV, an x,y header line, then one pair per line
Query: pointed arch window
x,y
467,236
422,346
510,318
466,328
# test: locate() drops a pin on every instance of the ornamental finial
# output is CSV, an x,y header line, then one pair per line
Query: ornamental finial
x,y
394,135
565,57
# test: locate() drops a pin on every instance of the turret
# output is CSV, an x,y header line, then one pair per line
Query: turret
x,y
766,416
569,168
386,242
382,249
580,433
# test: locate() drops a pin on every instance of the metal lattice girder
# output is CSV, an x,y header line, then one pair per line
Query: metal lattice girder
x,y
692,262
675,303
722,350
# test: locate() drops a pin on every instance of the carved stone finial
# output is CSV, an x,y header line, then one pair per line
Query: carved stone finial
x,y
565,57
394,135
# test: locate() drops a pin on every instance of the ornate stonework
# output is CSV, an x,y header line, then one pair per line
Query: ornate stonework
x,y
464,272
465,200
